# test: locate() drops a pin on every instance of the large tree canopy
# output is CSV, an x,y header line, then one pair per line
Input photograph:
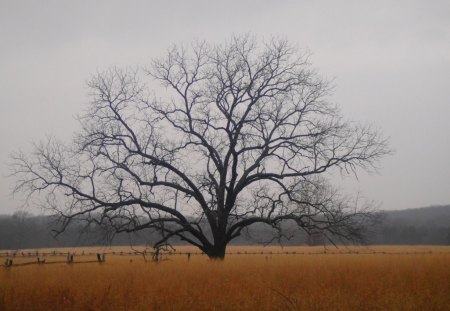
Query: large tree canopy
x,y
244,133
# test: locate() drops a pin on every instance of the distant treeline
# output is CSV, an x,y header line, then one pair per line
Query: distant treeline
x,y
421,226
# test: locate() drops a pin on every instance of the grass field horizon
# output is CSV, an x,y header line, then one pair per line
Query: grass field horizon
x,y
347,278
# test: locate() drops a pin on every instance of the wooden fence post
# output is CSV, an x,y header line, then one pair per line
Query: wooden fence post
x,y
101,257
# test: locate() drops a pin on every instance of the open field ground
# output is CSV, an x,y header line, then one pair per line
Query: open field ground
x,y
357,278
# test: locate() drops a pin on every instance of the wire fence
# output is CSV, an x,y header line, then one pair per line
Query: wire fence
x,y
139,253
85,257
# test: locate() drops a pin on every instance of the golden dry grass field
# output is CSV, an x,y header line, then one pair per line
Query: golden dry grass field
x,y
395,278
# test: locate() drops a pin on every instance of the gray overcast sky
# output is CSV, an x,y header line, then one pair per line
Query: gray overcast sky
x,y
390,61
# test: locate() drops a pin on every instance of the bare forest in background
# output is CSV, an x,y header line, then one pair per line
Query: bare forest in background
x,y
421,226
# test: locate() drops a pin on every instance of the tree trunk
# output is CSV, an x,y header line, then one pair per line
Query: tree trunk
x,y
217,252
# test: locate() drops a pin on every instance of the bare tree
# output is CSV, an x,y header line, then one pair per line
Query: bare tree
x,y
244,134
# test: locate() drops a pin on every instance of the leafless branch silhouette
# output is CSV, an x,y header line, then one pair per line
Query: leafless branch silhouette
x,y
245,136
